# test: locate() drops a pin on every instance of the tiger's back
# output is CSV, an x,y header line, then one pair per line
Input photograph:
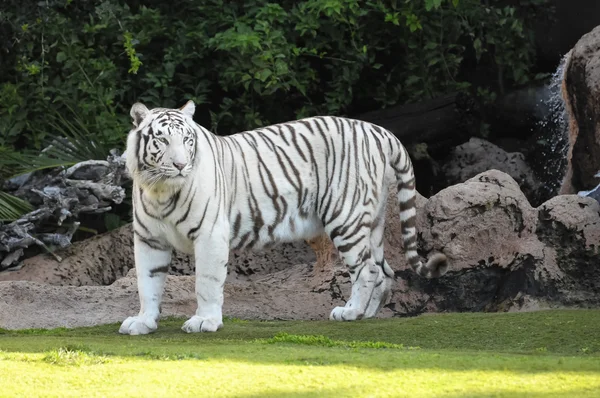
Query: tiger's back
x,y
296,180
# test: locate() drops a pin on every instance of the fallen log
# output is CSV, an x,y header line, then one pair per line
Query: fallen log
x,y
89,187
452,116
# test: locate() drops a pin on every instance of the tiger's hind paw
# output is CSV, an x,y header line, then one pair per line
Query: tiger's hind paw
x,y
135,325
345,314
201,324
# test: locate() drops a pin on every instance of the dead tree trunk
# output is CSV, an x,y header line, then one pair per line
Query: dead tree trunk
x,y
451,116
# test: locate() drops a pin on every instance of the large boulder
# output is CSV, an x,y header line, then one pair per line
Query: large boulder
x,y
477,155
486,227
569,227
581,93
504,254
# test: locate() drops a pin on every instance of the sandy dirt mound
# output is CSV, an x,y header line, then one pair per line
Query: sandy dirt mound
x,y
303,295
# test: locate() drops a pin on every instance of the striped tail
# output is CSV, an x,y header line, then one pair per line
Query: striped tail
x,y
438,263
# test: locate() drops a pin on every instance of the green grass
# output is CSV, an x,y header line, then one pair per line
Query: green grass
x,y
538,354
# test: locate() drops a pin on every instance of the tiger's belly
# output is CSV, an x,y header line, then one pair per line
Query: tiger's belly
x,y
296,228
290,229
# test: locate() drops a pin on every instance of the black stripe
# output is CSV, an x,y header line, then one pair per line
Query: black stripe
x,y
137,220
295,141
314,164
185,215
348,246
151,242
159,270
242,241
195,229
236,225
141,194
172,203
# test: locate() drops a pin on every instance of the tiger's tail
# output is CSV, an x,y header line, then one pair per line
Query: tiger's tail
x,y
437,265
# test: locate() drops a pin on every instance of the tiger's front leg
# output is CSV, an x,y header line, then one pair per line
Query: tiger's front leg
x,y
211,253
151,267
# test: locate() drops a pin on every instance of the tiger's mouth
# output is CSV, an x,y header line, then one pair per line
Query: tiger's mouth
x,y
179,174
150,177
167,173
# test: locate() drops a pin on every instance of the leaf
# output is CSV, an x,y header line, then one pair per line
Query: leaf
x,y
432,4
478,48
413,79
393,18
263,75
112,221
11,207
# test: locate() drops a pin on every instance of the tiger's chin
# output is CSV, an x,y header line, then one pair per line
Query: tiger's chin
x,y
174,181
165,182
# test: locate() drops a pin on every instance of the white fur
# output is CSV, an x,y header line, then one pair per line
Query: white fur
x,y
227,177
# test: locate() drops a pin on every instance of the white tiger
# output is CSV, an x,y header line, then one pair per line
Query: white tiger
x,y
203,194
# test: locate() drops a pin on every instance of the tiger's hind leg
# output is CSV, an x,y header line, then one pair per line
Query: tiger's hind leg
x,y
385,277
355,250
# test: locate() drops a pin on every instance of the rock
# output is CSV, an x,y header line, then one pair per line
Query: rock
x,y
486,220
486,228
478,155
569,226
504,254
581,93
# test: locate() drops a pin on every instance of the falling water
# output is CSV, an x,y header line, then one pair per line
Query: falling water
x,y
551,133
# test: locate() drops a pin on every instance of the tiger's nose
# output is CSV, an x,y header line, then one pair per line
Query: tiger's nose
x,y
179,166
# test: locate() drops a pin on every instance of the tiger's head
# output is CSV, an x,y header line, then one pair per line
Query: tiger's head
x,y
161,146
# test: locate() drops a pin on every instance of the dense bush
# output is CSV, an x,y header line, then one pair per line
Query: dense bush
x,y
245,63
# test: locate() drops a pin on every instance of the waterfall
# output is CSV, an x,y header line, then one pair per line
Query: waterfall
x,y
552,135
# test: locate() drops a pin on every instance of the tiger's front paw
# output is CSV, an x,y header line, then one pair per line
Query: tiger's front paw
x,y
345,314
142,324
202,324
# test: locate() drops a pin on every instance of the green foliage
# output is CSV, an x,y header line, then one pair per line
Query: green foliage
x,y
73,69
11,207
65,356
246,64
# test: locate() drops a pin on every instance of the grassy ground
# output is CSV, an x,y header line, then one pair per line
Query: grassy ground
x,y
542,354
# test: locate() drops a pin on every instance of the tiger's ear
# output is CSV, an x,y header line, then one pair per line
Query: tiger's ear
x,y
138,113
188,109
